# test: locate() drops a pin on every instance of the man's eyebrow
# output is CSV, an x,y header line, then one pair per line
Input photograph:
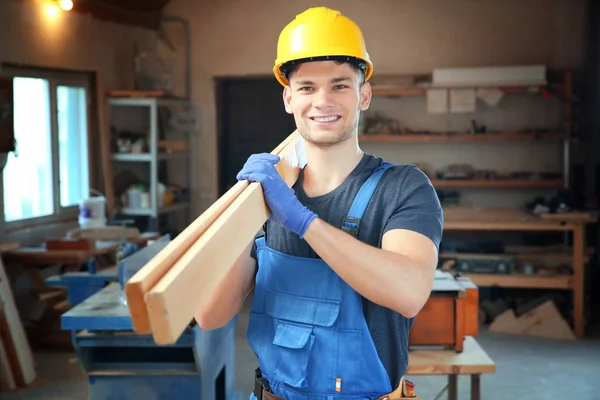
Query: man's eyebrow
x,y
341,79
305,83
334,80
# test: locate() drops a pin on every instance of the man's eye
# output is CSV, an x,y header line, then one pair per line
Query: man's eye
x,y
305,88
341,87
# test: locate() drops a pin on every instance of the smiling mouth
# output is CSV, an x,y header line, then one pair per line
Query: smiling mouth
x,y
330,118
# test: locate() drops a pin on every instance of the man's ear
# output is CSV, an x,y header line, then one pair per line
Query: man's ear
x,y
365,96
287,99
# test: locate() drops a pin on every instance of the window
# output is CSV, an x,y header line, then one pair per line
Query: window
x,y
49,173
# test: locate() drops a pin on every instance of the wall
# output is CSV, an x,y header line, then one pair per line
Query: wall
x,y
67,40
235,37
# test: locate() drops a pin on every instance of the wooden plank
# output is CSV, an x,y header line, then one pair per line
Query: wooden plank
x,y
497,183
174,300
9,246
139,284
7,379
521,281
543,321
583,217
498,218
472,360
563,258
24,371
457,137
105,233
421,91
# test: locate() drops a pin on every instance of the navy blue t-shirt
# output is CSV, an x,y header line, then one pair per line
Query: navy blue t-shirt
x,y
404,199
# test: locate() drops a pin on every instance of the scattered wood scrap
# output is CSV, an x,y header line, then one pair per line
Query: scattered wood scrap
x,y
17,367
545,320
165,294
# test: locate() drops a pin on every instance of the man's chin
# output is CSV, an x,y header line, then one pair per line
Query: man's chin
x,y
324,138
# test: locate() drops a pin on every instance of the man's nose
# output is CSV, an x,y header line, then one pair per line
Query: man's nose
x,y
323,98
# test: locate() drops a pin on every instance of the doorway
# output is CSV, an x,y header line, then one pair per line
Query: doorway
x,y
250,119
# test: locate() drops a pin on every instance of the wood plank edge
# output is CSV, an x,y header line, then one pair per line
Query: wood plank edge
x,y
159,265
162,301
251,208
138,286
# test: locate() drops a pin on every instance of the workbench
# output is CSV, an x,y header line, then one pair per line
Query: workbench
x,y
82,284
32,258
473,361
510,219
121,364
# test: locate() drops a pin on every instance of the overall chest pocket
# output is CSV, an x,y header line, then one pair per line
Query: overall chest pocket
x,y
304,336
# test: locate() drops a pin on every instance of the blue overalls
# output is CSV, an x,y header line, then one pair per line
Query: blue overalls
x,y
307,326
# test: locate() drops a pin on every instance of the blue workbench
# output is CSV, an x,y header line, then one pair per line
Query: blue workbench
x,y
121,364
82,284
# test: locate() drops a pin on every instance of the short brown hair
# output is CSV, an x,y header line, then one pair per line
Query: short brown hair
x,y
359,66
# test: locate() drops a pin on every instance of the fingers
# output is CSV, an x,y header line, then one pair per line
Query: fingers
x,y
254,177
268,157
263,163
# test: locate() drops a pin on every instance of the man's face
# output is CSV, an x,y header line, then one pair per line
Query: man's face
x,y
326,99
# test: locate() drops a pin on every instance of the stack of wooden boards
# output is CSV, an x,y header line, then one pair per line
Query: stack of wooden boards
x,y
166,293
17,367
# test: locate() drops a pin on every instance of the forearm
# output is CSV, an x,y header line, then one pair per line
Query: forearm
x,y
387,278
228,297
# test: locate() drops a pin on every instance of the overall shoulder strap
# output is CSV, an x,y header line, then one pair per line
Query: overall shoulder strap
x,y
351,221
260,242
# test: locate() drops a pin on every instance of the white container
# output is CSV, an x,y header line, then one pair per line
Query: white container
x,y
134,198
92,212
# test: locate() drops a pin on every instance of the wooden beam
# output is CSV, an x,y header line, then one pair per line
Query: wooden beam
x,y
146,278
144,14
175,299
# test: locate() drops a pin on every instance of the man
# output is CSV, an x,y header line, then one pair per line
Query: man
x,y
348,256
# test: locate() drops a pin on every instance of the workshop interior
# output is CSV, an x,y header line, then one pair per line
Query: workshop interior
x,y
124,123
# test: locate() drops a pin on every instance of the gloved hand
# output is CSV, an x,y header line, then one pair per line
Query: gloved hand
x,y
281,199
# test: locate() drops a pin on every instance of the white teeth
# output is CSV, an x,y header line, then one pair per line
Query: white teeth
x,y
325,119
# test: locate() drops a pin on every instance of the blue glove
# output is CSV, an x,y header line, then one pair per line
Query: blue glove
x,y
281,199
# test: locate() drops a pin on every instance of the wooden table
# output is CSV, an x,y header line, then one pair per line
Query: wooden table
x,y
473,360
513,219
31,258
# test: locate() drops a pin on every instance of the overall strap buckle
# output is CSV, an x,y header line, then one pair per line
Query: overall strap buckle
x,y
351,222
260,384
350,225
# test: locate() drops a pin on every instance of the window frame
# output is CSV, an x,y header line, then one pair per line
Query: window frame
x,y
55,79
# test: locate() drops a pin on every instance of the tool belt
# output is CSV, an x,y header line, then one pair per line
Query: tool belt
x,y
262,390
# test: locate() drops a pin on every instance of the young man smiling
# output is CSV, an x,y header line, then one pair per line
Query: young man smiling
x,y
349,254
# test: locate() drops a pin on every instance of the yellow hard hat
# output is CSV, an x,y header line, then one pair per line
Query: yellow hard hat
x,y
321,33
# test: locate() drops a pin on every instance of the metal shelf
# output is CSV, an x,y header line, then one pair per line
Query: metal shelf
x,y
155,154
146,157
147,101
161,210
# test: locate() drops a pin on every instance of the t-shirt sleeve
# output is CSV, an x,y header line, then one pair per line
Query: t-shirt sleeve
x,y
418,207
261,233
253,250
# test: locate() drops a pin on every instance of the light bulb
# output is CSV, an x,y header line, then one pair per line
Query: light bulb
x,y
66,5
51,10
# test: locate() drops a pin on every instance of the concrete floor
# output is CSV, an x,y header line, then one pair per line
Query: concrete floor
x,y
527,368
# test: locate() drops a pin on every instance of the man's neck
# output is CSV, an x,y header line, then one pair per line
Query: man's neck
x,y
328,167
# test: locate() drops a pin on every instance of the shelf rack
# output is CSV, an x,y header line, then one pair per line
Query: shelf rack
x,y
154,155
479,220
559,83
